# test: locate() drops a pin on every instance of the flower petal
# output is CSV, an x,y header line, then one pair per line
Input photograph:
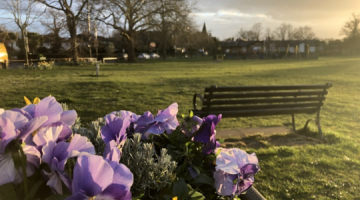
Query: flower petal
x,y
17,118
143,122
48,107
68,117
92,174
123,176
7,133
78,145
243,186
54,182
115,192
169,112
111,152
7,169
115,128
31,126
157,128
227,162
224,183
48,134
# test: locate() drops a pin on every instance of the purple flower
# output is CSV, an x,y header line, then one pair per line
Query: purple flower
x,y
208,129
235,171
130,131
15,127
50,108
165,120
207,133
115,129
195,122
94,177
56,154
124,114
111,152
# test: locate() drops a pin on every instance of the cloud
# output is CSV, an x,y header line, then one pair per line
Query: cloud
x,y
325,16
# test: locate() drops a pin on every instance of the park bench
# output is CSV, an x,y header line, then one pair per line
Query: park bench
x,y
248,101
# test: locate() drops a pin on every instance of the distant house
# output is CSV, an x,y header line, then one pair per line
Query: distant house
x,y
271,48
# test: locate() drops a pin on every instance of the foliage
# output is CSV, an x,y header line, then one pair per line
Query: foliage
x,y
45,65
151,171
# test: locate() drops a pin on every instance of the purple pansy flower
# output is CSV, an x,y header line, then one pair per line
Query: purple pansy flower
x,y
195,122
15,127
207,132
56,154
50,108
130,131
235,171
165,120
111,152
96,178
115,129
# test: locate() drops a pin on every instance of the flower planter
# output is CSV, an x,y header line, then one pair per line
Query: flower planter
x,y
252,194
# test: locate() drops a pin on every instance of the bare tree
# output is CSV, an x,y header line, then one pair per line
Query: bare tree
x,y
351,29
24,13
129,17
242,34
256,30
304,33
284,32
170,18
268,33
72,10
55,24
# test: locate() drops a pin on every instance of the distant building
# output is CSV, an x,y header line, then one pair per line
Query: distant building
x,y
271,48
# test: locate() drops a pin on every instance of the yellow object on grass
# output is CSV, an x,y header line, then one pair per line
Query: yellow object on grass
x,y
28,102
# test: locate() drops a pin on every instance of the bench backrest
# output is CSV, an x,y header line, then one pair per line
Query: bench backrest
x,y
242,98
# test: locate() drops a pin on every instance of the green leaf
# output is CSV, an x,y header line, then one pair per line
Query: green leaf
x,y
191,113
180,188
7,191
202,178
138,197
57,197
194,195
182,115
34,189
221,141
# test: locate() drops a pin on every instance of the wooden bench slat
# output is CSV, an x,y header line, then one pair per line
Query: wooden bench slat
x,y
264,94
266,87
254,101
265,112
268,106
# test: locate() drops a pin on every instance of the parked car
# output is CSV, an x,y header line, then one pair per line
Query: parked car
x,y
143,56
4,59
123,56
154,56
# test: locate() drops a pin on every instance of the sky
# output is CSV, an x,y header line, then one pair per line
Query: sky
x,y
225,17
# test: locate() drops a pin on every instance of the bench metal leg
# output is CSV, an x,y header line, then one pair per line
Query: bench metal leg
x,y
293,122
318,124
317,121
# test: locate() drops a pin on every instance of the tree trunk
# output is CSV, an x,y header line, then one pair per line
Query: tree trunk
x,y
164,48
131,49
25,48
71,23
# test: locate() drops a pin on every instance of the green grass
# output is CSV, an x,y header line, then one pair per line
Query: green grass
x,y
319,171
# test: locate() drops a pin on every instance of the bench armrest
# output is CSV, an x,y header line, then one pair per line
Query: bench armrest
x,y
194,99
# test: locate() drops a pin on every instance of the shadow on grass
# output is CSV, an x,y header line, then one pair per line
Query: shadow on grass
x,y
300,138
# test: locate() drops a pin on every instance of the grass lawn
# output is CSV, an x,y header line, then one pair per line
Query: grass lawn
x,y
318,171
